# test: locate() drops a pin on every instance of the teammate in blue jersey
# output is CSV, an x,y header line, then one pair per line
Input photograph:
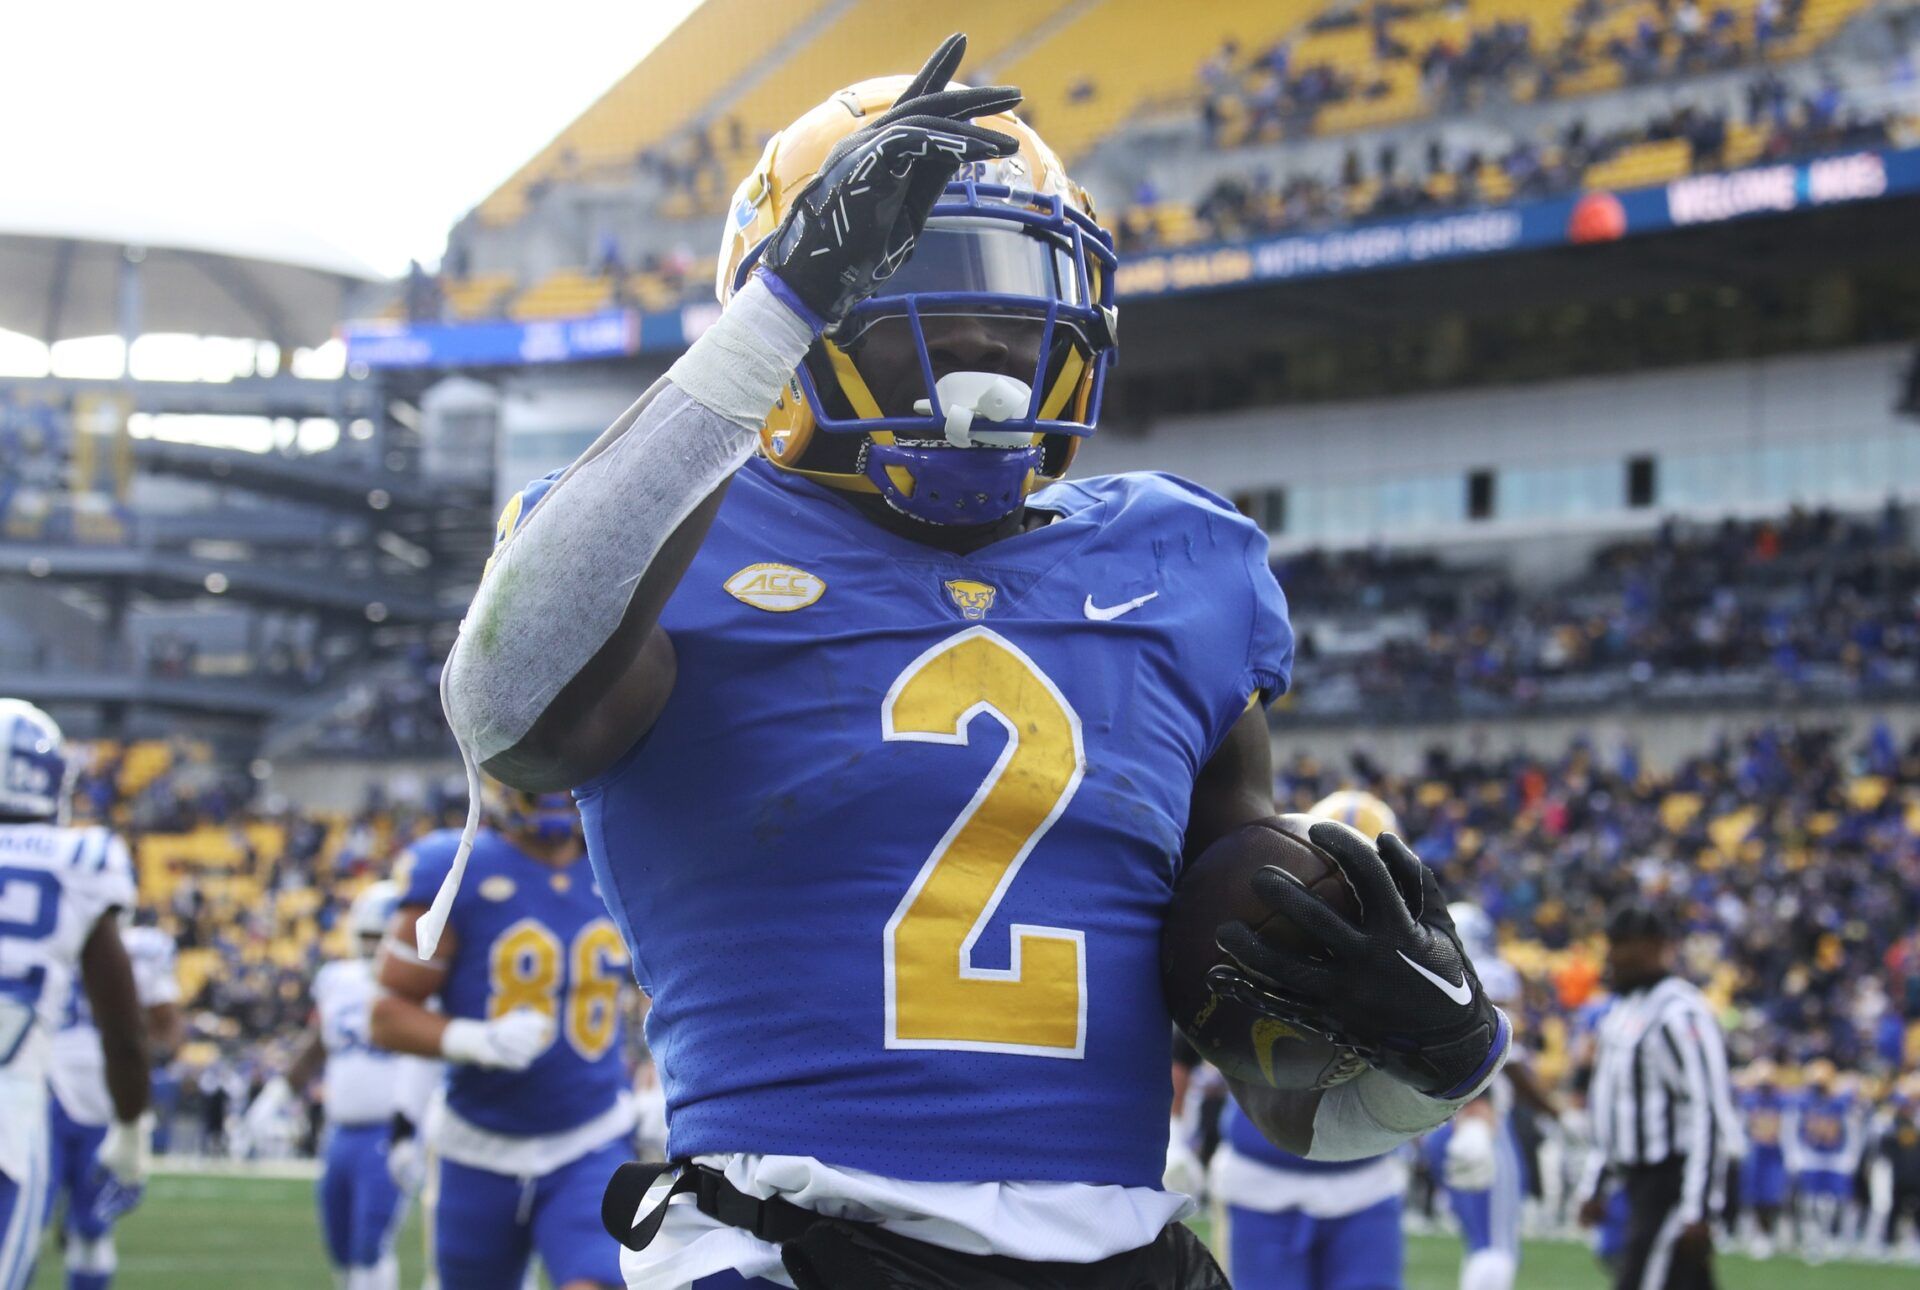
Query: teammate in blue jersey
x,y
1824,1127
360,1204
81,1109
890,743
535,1113
1763,1170
61,889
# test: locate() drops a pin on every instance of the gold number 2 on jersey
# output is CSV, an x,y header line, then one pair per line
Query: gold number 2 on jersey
x,y
936,996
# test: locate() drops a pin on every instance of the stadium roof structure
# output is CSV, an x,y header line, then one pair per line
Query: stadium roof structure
x,y
72,267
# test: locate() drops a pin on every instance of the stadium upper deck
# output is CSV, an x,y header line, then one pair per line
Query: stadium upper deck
x,y
615,213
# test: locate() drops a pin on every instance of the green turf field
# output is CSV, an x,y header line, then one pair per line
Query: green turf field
x,y
216,1233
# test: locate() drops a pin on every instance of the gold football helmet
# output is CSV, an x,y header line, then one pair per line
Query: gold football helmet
x,y
1013,243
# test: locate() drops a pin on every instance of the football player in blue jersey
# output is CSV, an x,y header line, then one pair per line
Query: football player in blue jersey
x,y
891,744
535,1112
1825,1131
1763,1170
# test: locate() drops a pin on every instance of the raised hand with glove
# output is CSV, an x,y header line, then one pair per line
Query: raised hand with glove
x,y
856,224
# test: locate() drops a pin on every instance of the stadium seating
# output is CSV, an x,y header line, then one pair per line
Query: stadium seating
x,y
569,292
717,43
1107,61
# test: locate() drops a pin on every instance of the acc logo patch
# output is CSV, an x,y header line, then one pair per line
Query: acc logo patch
x,y
776,588
972,599
499,887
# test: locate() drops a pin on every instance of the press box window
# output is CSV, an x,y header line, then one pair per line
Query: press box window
x,y
1643,482
1480,494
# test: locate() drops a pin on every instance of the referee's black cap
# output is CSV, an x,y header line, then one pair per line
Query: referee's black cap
x,y
1636,920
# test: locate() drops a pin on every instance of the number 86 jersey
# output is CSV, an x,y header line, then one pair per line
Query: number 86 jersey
x,y
528,935
894,858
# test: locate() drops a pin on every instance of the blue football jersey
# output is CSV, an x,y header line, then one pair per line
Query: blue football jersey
x,y
1763,1110
1248,1141
1826,1127
900,844
529,935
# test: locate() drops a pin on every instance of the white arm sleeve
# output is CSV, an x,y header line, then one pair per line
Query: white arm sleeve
x,y
559,586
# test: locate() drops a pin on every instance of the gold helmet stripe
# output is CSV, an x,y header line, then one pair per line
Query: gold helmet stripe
x,y
865,406
1063,387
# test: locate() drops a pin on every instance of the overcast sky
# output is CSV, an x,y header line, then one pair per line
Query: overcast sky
x,y
372,124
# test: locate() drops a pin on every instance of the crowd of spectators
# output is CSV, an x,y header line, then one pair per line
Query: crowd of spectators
x,y
1275,93
1814,605
1791,854
395,715
1384,182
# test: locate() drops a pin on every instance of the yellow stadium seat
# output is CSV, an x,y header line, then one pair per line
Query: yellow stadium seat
x,y
1642,165
563,294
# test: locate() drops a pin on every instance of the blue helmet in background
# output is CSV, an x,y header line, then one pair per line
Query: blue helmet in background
x,y
36,770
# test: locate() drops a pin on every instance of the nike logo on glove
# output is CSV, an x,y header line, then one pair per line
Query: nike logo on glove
x,y
1100,615
1461,994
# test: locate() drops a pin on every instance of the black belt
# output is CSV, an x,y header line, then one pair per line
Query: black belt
x,y
772,1219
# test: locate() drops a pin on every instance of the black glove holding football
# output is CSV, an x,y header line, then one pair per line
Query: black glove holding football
x,y
1396,987
855,224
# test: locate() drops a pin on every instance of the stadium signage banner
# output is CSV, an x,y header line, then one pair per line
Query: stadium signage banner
x,y
1561,221
502,342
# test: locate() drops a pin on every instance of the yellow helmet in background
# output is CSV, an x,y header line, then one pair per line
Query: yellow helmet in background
x,y
1014,238
1360,809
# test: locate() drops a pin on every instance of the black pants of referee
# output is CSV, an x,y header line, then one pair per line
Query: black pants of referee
x,y
1654,1259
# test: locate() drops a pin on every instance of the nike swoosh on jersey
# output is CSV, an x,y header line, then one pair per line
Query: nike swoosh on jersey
x,y
1107,615
1461,994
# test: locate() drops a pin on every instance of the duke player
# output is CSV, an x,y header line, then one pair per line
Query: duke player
x,y
1477,1157
1297,1224
80,1109
60,889
360,1203
890,746
535,1113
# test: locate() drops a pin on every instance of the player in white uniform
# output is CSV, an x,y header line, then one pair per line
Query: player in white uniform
x,y
361,1205
1477,1156
59,890
80,1108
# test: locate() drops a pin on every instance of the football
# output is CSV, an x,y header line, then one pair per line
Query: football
x,y
1218,888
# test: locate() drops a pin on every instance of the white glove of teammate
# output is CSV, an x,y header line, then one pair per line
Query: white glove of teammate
x,y
266,1110
1469,1164
508,1043
1184,1172
127,1149
407,1165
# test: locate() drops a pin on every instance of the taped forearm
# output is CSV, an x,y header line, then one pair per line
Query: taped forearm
x,y
1373,1113
560,586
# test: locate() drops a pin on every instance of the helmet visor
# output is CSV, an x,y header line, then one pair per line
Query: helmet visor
x,y
989,257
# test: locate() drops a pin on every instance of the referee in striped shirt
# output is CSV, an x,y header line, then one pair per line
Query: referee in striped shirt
x,y
1661,1104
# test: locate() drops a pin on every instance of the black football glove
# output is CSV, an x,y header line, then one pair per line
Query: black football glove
x,y
1397,988
855,224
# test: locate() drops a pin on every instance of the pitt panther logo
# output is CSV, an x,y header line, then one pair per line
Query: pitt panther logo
x,y
776,588
972,599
